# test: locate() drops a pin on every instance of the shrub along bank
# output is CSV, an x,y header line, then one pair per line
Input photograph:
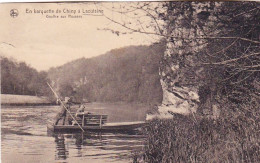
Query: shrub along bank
x,y
233,137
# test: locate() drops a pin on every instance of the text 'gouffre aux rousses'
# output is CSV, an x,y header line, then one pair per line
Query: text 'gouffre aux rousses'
x,y
64,13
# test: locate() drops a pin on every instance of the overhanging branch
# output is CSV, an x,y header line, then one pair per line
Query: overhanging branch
x,y
178,38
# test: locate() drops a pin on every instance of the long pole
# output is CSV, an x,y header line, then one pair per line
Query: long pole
x,y
65,107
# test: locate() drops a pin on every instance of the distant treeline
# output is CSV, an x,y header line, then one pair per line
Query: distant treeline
x,y
129,74
20,79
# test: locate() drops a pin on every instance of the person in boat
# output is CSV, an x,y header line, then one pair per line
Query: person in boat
x,y
63,112
80,111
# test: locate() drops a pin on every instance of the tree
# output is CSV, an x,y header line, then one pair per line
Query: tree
x,y
212,49
211,45
128,74
19,78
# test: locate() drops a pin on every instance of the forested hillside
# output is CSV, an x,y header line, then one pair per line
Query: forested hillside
x,y
129,74
21,79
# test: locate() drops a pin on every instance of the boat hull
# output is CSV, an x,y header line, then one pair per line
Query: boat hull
x,y
108,127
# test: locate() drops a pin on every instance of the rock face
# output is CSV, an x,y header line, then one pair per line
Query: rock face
x,y
179,69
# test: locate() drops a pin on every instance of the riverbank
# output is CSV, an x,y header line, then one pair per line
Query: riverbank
x,y
233,137
25,100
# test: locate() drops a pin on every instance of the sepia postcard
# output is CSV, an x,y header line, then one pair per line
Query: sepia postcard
x,y
140,81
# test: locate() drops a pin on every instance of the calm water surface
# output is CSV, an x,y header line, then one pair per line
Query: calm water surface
x,y
24,136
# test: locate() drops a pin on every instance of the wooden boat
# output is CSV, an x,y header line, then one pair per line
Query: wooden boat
x,y
109,127
92,122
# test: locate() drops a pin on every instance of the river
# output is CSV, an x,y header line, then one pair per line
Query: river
x,y
24,136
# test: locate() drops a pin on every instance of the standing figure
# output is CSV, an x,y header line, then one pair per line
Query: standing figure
x,y
63,111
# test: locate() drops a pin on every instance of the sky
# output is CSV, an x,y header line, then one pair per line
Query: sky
x,y
44,42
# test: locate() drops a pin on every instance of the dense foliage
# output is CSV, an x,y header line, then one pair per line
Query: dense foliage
x,y
232,66
211,48
19,78
129,74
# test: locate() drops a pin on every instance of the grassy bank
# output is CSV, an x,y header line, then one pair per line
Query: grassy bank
x,y
234,137
8,99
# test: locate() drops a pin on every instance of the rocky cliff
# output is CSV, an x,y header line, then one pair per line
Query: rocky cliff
x,y
180,68
211,56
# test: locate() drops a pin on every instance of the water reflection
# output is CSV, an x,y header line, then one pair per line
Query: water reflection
x,y
61,153
97,145
24,137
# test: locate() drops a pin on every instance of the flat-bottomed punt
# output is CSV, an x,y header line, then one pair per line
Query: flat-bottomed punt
x,y
118,126
94,122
